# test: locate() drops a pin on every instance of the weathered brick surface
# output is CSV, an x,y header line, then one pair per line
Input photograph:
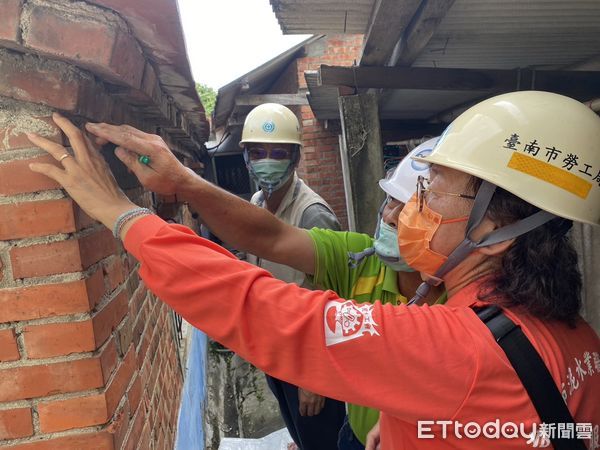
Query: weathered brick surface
x,y
98,43
59,339
46,259
21,220
9,20
78,412
321,164
41,301
107,320
24,78
15,423
8,346
17,178
97,246
85,349
13,137
27,382
89,441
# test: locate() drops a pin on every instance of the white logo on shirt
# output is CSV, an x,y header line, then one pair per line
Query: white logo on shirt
x,y
345,321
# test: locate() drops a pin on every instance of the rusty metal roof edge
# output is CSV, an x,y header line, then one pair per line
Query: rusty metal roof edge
x,y
225,102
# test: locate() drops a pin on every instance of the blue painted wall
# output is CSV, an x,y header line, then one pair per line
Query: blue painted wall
x,y
190,431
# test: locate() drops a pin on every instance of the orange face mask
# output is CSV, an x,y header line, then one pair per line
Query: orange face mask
x,y
415,231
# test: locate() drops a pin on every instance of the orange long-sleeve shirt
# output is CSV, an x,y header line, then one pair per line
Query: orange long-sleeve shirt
x,y
412,363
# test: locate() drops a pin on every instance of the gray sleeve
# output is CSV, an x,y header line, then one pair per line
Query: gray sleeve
x,y
319,216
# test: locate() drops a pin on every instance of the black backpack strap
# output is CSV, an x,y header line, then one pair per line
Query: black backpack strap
x,y
532,372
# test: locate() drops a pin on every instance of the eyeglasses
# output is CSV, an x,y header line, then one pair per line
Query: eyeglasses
x,y
279,154
423,188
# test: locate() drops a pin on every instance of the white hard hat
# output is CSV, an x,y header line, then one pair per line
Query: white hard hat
x,y
402,183
271,123
542,147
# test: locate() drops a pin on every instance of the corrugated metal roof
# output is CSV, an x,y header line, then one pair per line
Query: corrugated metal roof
x,y
322,16
514,33
474,33
481,34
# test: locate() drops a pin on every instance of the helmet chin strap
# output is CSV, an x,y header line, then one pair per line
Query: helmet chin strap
x,y
466,247
355,258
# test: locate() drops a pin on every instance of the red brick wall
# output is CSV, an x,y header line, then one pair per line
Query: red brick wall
x,y
321,165
88,358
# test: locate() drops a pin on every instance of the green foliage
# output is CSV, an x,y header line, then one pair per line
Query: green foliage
x,y
208,96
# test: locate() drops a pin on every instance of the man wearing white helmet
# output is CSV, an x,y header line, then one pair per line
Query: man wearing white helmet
x,y
507,363
271,140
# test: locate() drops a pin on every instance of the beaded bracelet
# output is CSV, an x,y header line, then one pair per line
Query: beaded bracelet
x,y
126,217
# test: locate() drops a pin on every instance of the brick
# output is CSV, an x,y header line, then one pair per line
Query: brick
x,y
150,85
14,138
134,395
107,320
31,219
82,220
97,45
47,300
21,383
72,413
95,287
15,423
17,178
88,441
124,336
118,386
145,438
8,346
97,246
108,360
9,19
24,78
46,259
114,273
120,425
59,339
136,430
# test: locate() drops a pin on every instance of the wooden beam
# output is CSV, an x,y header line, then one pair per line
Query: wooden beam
x,y
581,85
282,99
388,21
360,126
420,31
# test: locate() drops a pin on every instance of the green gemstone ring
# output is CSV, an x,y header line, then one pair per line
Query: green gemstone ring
x,y
144,159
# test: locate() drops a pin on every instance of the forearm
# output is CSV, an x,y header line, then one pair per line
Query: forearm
x,y
281,328
234,220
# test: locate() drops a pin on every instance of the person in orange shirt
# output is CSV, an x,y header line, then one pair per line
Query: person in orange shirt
x,y
436,373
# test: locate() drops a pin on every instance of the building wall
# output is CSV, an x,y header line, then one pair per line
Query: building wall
x,y
88,357
321,166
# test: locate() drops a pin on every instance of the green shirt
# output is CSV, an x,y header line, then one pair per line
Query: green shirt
x,y
371,280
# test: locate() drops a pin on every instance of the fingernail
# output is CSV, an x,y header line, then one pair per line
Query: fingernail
x,y
119,152
91,125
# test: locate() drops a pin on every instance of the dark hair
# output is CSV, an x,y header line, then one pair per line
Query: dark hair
x,y
539,272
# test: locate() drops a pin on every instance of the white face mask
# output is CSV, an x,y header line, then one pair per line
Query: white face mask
x,y
386,248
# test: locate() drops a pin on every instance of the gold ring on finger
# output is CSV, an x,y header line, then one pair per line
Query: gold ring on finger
x,y
66,155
